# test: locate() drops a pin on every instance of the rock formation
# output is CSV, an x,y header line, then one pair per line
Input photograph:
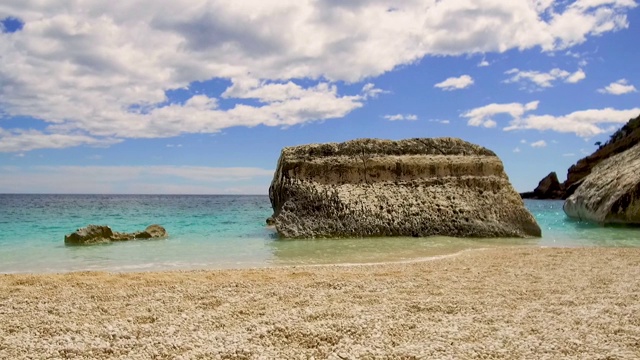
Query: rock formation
x,y
548,188
610,194
97,234
622,140
414,187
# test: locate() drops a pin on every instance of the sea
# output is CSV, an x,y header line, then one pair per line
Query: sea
x,y
229,232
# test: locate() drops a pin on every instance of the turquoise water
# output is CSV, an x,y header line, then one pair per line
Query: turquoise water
x,y
216,232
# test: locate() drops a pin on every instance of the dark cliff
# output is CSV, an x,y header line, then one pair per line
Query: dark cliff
x,y
623,139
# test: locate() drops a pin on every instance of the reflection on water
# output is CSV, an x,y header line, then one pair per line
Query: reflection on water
x,y
372,250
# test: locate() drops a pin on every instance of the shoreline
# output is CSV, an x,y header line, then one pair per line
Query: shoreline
x,y
523,302
283,266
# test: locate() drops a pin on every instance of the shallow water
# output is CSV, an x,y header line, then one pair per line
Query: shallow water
x,y
217,232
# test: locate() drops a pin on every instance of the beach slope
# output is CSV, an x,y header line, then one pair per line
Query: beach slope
x,y
500,303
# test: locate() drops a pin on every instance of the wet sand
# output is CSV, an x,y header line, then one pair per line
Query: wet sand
x,y
531,303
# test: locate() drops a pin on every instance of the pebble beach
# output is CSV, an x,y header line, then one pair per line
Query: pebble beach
x,y
503,303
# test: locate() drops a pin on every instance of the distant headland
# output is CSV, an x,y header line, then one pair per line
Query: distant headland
x,y
622,140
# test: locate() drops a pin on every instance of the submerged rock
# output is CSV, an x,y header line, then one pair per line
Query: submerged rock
x,y
97,234
610,194
92,234
414,187
152,231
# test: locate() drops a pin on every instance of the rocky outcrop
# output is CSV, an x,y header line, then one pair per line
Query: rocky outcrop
x,y
98,234
548,188
414,187
610,194
623,139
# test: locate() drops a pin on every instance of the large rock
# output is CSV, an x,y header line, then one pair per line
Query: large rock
x,y
98,234
415,187
610,194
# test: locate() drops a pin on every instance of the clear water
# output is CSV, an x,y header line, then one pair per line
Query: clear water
x,y
216,232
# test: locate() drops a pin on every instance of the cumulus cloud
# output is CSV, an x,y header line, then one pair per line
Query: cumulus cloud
x,y
398,117
134,179
455,83
619,87
533,80
584,123
483,116
281,105
539,144
96,73
576,77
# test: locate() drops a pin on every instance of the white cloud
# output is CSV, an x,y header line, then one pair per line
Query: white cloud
x,y
569,154
398,117
489,124
483,63
584,123
577,76
97,73
595,15
539,144
369,90
441,121
516,150
588,4
619,87
482,116
283,105
539,80
26,140
455,83
134,179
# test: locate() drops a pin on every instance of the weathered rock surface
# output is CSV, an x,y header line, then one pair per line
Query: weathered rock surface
x,y
98,234
414,187
610,194
623,139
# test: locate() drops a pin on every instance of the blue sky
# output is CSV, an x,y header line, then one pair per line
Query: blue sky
x,y
201,96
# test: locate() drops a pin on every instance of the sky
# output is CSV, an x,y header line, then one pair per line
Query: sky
x,y
200,96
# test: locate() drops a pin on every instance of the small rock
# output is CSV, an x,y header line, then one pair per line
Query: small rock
x,y
152,231
97,234
92,234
